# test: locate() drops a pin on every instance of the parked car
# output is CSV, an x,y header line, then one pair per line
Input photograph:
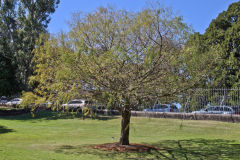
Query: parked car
x,y
162,108
216,110
77,104
3,100
14,102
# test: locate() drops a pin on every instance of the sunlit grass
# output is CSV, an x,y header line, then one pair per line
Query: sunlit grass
x,y
50,136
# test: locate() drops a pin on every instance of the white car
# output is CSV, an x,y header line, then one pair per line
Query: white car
x,y
216,110
77,103
162,108
15,101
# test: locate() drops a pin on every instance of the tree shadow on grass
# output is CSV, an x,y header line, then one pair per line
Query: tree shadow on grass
x,y
4,129
52,115
194,149
201,149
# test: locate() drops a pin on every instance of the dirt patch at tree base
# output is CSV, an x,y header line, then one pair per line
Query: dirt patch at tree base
x,y
125,148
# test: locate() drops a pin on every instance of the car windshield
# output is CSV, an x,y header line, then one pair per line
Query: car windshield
x,y
218,109
160,106
227,109
210,109
88,102
75,102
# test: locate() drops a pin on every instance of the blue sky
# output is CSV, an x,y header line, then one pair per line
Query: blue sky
x,y
198,13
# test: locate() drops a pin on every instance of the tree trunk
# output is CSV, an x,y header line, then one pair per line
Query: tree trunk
x,y
124,139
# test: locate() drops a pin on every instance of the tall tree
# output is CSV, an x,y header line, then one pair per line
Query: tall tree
x,y
21,23
222,38
8,81
33,18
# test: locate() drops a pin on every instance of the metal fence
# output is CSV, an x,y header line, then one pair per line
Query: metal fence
x,y
196,100
199,99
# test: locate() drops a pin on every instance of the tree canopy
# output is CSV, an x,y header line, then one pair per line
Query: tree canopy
x,y
122,58
222,39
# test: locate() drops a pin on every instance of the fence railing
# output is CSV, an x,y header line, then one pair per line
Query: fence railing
x,y
209,101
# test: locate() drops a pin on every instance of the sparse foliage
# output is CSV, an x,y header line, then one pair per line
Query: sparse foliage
x,y
120,57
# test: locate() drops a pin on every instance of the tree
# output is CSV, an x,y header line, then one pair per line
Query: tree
x,y
53,77
122,57
33,17
21,23
222,38
8,82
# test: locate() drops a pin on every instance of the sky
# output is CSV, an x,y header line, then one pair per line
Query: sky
x,y
198,13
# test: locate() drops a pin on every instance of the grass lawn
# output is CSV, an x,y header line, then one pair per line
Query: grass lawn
x,y
51,136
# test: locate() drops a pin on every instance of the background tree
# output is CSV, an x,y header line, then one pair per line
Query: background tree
x,y
54,79
33,18
21,23
8,82
121,57
222,39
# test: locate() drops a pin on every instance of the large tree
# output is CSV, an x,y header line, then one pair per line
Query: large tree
x,y
121,57
21,23
8,82
33,19
222,39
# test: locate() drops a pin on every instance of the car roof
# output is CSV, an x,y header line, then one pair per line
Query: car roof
x,y
16,99
78,100
219,106
163,104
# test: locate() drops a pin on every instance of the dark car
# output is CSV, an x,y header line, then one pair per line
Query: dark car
x,y
162,108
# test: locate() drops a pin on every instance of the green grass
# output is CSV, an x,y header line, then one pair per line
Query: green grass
x,y
50,136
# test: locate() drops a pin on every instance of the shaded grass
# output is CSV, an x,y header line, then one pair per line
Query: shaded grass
x,y
169,149
51,115
4,129
66,136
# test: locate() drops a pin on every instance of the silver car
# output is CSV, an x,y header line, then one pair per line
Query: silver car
x,y
14,102
162,108
77,103
216,110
